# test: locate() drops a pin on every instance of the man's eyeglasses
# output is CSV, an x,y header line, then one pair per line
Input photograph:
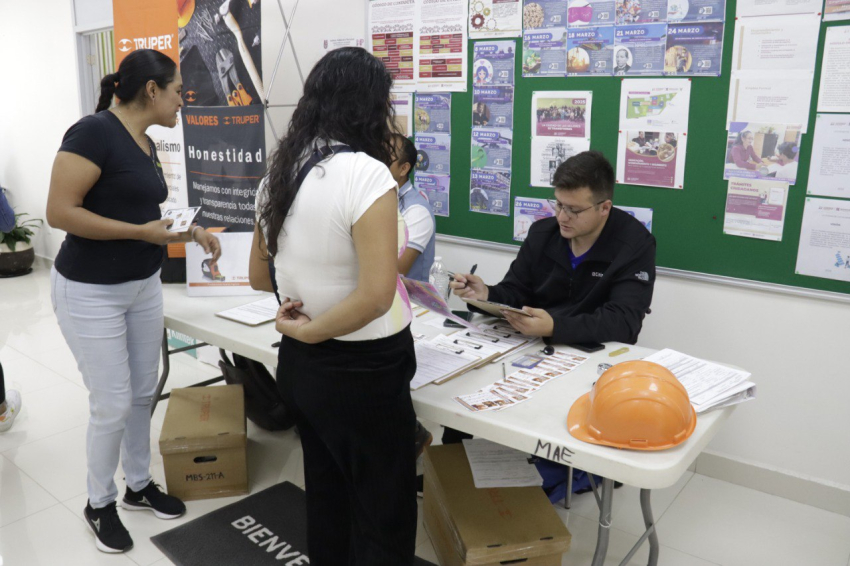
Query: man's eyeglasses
x,y
568,212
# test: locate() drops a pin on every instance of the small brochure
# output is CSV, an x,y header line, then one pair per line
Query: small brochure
x,y
182,217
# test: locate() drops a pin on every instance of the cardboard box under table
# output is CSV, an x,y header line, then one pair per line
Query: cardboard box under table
x,y
203,442
470,526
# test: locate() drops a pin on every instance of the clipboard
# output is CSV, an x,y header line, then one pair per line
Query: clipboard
x,y
495,308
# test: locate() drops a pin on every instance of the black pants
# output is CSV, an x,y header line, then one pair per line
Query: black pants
x,y
353,411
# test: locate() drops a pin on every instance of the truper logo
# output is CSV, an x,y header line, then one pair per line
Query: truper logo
x,y
158,42
190,96
125,45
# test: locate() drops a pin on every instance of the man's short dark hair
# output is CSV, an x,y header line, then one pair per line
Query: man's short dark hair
x,y
406,152
587,169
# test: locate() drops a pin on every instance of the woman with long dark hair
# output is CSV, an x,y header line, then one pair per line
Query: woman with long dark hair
x,y
328,212
105,191
743,154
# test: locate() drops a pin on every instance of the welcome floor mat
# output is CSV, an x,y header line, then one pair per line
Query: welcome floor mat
x,y
272,529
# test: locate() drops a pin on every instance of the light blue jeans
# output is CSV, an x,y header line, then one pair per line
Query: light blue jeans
x,y
115,334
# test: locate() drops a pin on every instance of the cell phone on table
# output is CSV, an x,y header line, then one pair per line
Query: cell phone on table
x,y
588,346
465,315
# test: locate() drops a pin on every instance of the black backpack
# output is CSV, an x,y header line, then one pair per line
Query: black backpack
x,y
263,403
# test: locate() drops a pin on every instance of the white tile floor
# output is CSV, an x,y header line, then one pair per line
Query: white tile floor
x,y
701,521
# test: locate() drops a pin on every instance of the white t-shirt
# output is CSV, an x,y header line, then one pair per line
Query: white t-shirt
x,y
316,262
420,226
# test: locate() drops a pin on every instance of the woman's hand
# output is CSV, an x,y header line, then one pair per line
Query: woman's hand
x,y
291,322
156,232
207,241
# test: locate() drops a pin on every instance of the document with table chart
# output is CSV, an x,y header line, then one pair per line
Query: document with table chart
x,y
436,361
494,465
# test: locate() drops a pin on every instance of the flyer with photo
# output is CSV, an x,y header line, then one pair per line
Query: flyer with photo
x,y
544,53
495,18
655,104
491,148
694,49
590,13
182,218
652,159
696,10
493,106
561,113
547,154
640,11
527,211
762,151
493,63
756,209
433,113
639,49
436,188
643,215
490,192
590,51
540,14
433,154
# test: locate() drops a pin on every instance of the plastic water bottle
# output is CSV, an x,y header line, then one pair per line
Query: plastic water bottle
x,y
439,278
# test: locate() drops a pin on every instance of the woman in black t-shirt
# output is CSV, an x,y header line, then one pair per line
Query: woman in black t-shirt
x,y
105,191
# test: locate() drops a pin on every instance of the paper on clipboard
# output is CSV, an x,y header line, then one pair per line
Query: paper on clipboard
x,y
494,308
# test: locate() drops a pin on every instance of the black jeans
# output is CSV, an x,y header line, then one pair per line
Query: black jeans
x,y
354,413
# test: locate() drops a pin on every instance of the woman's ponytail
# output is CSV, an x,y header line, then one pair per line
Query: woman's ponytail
x,y
107,91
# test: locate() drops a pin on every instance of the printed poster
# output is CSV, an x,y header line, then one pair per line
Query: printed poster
x,y
762,151
686,11
169,149
436,188
527,211
643,215
493,106
756,209
441,30
656,104
561,113
433,113
493,63
225,160
391,39
544,52
547,154
829,171
835,10
490,192
639,49
590,13
835,71
226,277
403,106
490,19
653,159
433,154
544,14
694,49
767,97
491,148
824,249
221,54
590,51
145,25
640,11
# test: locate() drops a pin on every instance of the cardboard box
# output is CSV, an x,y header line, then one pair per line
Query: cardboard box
x,y
483,527
203,442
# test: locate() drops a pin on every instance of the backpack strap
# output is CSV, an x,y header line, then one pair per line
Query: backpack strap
x,y
319,155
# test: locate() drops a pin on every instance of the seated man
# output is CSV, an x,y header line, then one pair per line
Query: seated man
x,y
585,275
417,259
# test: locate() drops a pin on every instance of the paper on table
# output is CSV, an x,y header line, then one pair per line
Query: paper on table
x,y
436,361
742,392
494,465
703,380
254,313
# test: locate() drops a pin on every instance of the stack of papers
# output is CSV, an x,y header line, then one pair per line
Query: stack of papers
x,y
439,359
522,384
494,465
709,385
254,313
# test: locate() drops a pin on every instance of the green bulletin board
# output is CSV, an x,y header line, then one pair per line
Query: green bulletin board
x,y
687,223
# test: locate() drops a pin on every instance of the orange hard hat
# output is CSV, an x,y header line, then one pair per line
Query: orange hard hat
x,y
639,405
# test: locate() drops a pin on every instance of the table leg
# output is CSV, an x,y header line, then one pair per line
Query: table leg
x,y
650,525
604,532
568,498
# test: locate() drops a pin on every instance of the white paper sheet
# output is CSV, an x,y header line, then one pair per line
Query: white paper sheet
x,y
254,313
392,39
495,19
834,92
441,40
776,43
655,104
494,465
746,8
435,361
756,209
834,10
829,171
772,97
825,239
703,380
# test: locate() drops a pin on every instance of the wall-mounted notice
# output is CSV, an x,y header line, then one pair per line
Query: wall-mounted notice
x,y
834,10
391,39
527,211
490,19
762,151
560,129
590,13
640,49
403,105
643,215
756,209
590,51
694,49
829,172
695,10
749,8
825,239
441,45
433,113
834,92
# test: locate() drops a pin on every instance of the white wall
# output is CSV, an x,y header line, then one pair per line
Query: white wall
x,y
796,348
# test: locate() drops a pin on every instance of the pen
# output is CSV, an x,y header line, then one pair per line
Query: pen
x,y
503,370
471,272
276,345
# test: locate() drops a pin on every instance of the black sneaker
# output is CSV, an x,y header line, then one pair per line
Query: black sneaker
x,y
420,486
153,499
110,534
422,439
